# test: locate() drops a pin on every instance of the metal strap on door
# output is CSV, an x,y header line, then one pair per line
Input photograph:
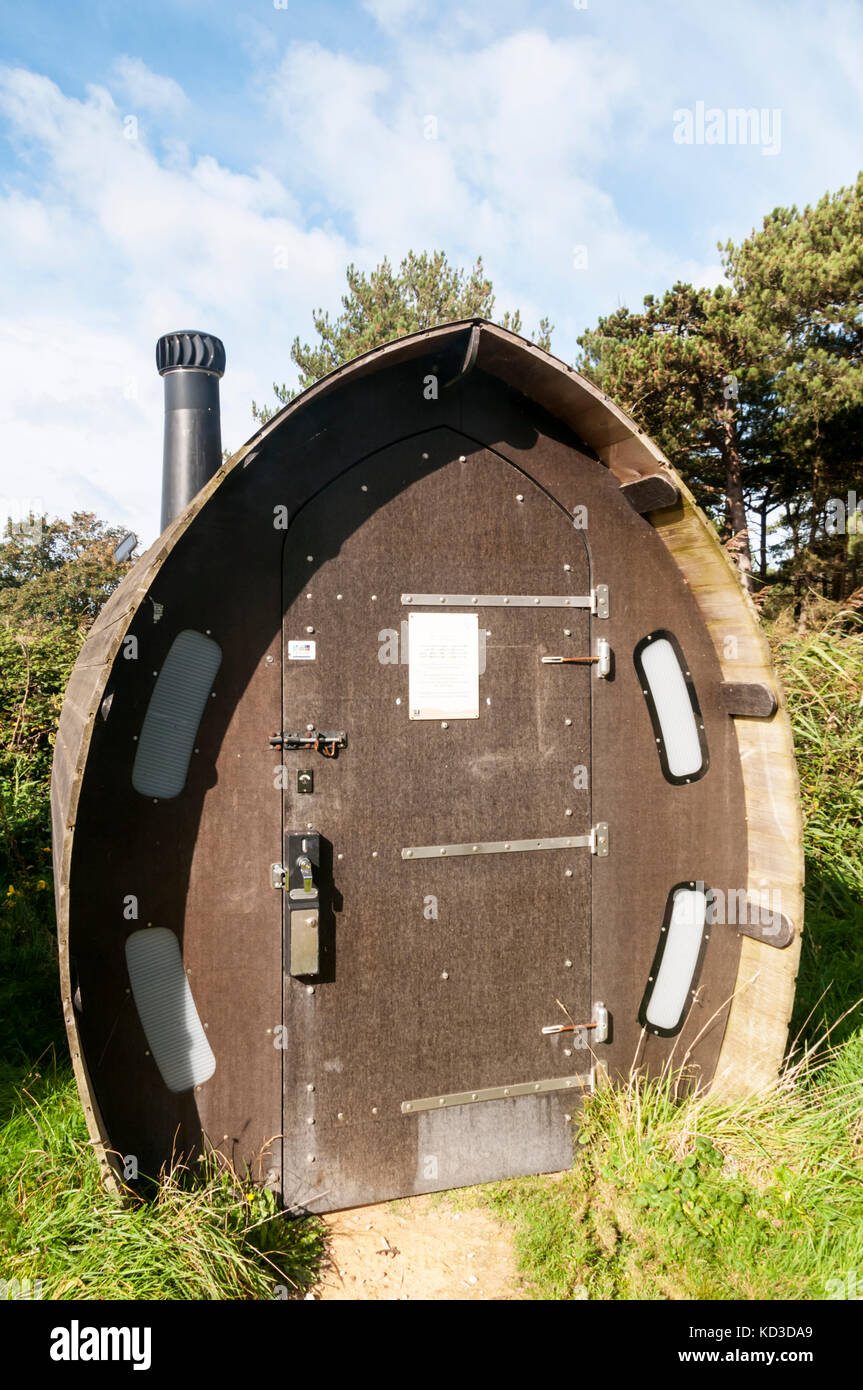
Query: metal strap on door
x,y
596,601
596,842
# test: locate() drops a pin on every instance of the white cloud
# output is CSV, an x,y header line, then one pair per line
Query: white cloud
x,y
113,249
148,90
391,14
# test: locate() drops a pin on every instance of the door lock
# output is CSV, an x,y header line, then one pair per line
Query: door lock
x,y
304,869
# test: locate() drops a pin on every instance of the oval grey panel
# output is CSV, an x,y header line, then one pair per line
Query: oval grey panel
x,y
173,715
160,988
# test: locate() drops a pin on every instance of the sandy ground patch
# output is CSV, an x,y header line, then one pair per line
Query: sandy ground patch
x,y
420,1248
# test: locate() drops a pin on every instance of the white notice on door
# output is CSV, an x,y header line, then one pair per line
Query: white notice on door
x,y
443,660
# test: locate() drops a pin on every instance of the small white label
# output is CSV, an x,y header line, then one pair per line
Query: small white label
x,y
301,651
443,664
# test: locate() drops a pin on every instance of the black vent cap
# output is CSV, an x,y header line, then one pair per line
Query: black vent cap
x,y
200,351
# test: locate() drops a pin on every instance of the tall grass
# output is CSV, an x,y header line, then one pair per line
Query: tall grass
x,y
690,1199
207,1235
763,1198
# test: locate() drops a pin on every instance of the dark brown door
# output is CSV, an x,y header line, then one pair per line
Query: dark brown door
x,y
438,970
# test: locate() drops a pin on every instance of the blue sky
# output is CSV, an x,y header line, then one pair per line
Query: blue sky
x,y
217,165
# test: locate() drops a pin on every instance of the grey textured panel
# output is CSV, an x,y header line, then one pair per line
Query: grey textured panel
x,y
167,1010
481,1143
173,715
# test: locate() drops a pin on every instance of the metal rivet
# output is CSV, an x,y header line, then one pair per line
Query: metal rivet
x,y
409,854
188,969
567,812
364,487
310,629
567,632
310,728
567,568
340,1115
374,1109
398,699
568,964
567,1052
310,1119
567,1118
310,558
519,497
270,660
374,598
567,722
269,1030
310,1086
425,456
488,699
340,856
462,459
444,724
308,595
567,873
444,974
310,989
310,1158
338,595
374,854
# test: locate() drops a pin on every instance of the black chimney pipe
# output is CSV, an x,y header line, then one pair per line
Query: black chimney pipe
x,y
190,365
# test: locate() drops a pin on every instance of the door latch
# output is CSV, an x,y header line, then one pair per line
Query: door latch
x,y
326,743
598,1024
602,660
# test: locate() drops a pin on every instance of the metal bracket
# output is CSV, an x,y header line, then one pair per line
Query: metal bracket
x,y
277,877
600,1022
599,604
599,840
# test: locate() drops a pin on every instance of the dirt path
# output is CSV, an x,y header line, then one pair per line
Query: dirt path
x,y
421,1248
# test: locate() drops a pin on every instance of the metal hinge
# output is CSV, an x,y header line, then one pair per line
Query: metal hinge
x,y
277,877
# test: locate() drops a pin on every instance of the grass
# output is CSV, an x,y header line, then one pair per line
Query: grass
x,y
206,1235
669,1199
763,1198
